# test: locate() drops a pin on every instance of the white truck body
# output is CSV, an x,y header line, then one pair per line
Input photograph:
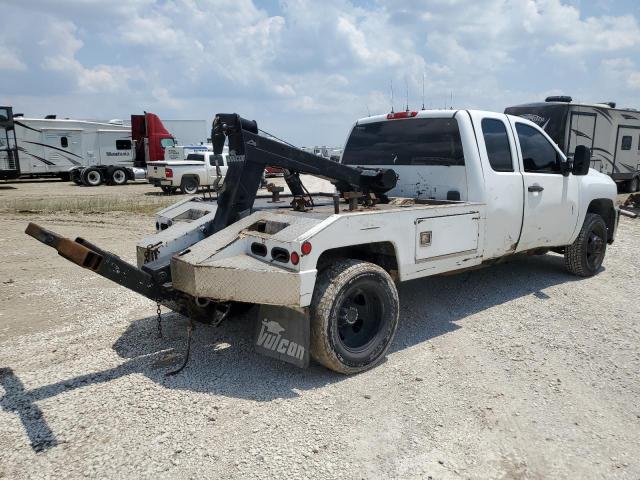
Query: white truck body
x,y
472,188
55,146
451,213
205,169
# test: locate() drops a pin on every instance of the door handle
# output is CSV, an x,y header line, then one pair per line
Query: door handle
x,y
535,188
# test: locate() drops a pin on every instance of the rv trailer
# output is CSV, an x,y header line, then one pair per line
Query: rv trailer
x,y
9,166
53,147
612,134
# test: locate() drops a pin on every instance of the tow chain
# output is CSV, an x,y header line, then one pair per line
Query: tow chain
x,y
159,317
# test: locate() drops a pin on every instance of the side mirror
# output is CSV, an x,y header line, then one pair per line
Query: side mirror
x,y
581,160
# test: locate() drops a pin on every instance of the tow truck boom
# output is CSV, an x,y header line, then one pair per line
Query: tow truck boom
x,y
251,152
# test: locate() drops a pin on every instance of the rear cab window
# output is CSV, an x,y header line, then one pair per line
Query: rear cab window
x,y
538,155
196,156
496,141
417,141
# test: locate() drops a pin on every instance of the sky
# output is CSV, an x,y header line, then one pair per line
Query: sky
x,y
306,70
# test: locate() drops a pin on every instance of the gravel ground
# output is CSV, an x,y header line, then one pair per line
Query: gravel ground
x,y
515,371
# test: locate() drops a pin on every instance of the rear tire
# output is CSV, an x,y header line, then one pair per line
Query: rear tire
x,y
119,176
633,185
584,257
354,316
189,185
92,177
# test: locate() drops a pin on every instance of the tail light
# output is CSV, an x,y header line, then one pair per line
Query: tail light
x,y
295,258
306,248
168,173
395,116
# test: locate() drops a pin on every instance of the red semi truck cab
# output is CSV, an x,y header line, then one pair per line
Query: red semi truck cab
x,y
151,138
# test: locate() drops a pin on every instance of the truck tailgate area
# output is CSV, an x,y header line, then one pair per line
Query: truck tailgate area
x,y
239,278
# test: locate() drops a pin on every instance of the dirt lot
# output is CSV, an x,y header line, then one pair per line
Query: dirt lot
x,y
515,371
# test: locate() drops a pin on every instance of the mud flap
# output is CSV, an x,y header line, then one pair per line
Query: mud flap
x,y
283,333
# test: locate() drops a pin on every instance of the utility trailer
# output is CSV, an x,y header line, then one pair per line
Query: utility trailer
x,y
612,134
417,194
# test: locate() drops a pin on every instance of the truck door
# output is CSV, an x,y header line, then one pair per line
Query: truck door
x,y
503,184
550,199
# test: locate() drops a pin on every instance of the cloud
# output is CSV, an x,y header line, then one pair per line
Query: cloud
x,y
305,68
9,60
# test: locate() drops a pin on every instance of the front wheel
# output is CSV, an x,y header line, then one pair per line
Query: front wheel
x,y
354,316
584,257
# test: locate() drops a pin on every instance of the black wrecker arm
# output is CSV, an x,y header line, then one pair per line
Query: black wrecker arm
x,y
250,153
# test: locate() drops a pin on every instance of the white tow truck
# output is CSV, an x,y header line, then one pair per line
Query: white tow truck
x,y
420,194
203,169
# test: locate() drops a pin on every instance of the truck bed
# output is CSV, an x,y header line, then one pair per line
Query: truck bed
x,y
223,266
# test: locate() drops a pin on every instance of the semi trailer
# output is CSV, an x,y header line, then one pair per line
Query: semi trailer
x,y
84,151
417,194
148,141
612,134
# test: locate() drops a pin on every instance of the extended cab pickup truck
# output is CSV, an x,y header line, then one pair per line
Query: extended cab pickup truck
x,y
472,187
197,170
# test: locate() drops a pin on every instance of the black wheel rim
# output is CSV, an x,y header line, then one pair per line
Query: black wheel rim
x,y
596,245
359,317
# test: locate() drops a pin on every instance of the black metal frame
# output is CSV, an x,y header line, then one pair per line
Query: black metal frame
x,y
7,125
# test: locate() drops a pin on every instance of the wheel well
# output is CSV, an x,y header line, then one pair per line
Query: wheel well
x,y
604,207
191,175
382,254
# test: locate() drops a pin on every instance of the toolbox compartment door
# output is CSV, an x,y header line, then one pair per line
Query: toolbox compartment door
x,y
438,237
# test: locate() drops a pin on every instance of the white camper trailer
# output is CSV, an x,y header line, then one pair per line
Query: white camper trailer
x,y
52,147
612,134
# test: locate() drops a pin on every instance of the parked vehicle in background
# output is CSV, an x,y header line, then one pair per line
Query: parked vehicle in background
x,y
612,134
148,141
54,147
9,164
198,170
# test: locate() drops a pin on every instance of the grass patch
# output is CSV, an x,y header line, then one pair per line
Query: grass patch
x,y
88,204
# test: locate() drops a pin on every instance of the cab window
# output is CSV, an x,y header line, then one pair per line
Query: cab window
x,y
123,144
497,142
167,142
538,155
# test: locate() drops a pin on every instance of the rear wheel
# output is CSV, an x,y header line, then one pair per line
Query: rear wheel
x,y
584,257
189,185
633,185
354,316
92,177
119,176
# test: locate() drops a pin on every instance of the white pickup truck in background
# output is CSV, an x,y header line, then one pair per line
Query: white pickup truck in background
x,y
198,170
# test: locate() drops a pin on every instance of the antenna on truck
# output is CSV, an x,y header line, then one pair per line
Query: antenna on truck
x,y
392,95
422,90
406,85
